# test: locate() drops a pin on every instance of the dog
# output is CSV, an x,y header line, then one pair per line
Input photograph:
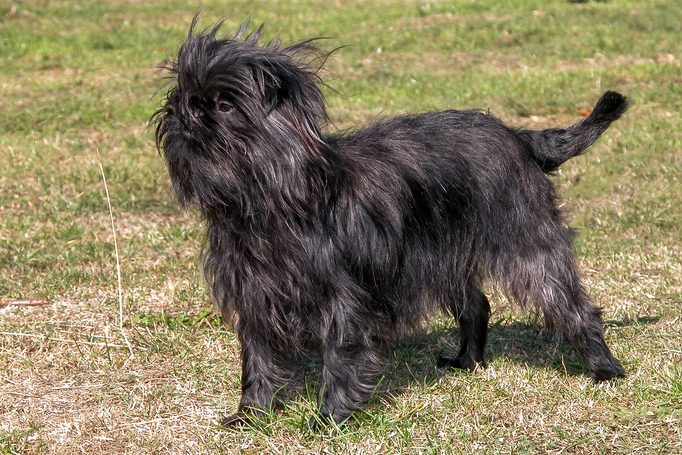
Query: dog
x,y
333,245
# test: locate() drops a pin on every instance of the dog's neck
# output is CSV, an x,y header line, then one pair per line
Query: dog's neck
x,y
289,183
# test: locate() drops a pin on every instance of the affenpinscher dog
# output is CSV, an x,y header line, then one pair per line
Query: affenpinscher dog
x,y
332,245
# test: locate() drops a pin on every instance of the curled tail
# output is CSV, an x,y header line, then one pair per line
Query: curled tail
x,y
552,147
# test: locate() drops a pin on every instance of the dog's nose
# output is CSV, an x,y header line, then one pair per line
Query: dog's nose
x,y
197,109
193,112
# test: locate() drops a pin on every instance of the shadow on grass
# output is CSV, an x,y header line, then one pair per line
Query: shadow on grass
x,y
413,358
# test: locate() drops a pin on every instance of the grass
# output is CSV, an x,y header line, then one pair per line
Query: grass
x,y
77,77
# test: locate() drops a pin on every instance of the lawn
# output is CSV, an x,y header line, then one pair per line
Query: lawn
x,y
78,83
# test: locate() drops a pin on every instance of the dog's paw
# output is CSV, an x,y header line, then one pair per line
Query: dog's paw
x,y
320,424
233,420
459,363
323,422
608,374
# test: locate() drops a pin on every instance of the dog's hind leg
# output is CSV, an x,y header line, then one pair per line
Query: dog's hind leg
x,y
472,312
547,278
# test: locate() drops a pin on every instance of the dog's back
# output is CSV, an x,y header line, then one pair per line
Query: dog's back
x,y
436,203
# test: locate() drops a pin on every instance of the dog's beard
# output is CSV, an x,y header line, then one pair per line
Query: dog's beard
x,y
202,165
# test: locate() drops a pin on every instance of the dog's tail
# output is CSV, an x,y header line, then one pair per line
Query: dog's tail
x,y
552,147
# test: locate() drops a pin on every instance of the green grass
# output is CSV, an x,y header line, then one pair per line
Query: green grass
x,y
82,77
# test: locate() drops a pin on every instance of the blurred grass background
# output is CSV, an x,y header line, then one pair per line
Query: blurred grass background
x,y
82,77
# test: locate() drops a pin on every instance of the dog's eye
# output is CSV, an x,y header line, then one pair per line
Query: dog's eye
x,y
224,106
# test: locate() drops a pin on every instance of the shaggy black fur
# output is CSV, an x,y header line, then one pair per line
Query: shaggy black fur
x,y
333,244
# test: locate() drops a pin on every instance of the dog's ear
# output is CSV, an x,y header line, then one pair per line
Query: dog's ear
x,y
288,80
291,87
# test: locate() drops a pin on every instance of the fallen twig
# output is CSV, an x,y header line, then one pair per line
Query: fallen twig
x,y
23,302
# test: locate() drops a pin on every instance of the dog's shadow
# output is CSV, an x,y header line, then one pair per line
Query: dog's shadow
x,y
413,358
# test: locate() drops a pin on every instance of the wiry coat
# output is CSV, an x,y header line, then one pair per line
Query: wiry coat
x,y
331,243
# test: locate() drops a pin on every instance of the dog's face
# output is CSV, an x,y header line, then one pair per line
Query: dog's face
x,y
229,100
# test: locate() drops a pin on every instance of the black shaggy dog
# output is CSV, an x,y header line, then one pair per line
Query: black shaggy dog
x,y
334,244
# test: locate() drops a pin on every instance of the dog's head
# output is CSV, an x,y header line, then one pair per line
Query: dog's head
x,y
232,108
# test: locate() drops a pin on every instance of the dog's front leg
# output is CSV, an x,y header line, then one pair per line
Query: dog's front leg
x,y
351,365
262,376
